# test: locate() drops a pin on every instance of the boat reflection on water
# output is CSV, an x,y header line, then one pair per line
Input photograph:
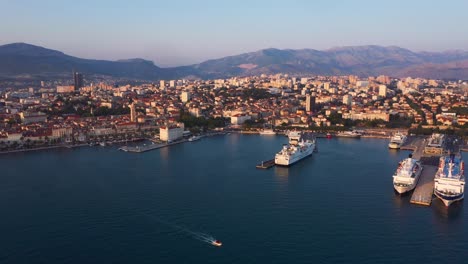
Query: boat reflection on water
x,y
281,172
448,214
402,199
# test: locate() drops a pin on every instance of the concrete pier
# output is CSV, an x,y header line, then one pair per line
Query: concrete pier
x,y
423,192
145,148
266,164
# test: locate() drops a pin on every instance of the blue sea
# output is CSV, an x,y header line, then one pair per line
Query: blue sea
x,y
101,205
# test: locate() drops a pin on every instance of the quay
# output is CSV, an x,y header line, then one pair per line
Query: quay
x,y
266,164
145,148
424,190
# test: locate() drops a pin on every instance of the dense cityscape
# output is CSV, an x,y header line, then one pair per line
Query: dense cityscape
x,y
86,112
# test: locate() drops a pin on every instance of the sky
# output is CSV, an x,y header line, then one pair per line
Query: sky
x,y
177,32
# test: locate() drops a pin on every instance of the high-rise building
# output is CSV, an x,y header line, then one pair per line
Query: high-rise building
x,y
78,80
162,85
310,103
383,90
133,114
185,96
172,83
347,99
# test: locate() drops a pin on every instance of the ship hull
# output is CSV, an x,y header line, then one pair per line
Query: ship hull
x,y
410,187
449,199
404,189
281,161
348,136
394,146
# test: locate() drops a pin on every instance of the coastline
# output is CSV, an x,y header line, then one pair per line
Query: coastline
x,y
61,146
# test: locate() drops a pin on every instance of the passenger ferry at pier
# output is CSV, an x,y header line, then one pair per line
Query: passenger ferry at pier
x,y
349,134
450,179
268,132
194,138
397,141
407,175
296,150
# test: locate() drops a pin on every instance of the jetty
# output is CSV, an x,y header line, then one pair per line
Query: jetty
x,y
423,192
266,164
145,148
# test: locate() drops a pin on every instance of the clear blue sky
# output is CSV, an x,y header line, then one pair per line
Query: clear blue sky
x,y
176,32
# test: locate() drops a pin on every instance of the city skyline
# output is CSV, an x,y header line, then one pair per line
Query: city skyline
x,y
188,32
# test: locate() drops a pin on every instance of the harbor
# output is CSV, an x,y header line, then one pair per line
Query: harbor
x,y
300,146
428,154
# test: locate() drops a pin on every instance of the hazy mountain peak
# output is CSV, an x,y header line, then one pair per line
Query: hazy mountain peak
x,y
21,58
25,49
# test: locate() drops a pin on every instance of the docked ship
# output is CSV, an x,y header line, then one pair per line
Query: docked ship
x,y
296,150
397,141
268,132
349,134
194,138
407,175
450,180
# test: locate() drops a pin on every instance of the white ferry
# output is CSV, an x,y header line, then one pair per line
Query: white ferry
x,y
397,141
268,132
296,150
450,179
349,134
407,175
194,138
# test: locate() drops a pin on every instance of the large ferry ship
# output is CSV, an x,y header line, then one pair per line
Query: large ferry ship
x,y
450,180
407,175
397,141
296,150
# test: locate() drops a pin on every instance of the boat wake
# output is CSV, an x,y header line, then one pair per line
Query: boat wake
x,y
202,237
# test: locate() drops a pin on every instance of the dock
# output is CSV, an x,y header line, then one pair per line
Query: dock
x,y
266,164
145,148
423,192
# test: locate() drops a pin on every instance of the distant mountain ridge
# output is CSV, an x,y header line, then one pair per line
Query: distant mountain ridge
x,y
21,59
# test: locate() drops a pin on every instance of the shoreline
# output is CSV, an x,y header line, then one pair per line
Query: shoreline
x,y
60,146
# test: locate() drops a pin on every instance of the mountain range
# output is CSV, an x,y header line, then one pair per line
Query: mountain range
x,y
30,61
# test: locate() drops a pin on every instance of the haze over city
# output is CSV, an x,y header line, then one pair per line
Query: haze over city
x,y
174,33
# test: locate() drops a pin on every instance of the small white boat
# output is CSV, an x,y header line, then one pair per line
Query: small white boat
x,y
194,138
216,243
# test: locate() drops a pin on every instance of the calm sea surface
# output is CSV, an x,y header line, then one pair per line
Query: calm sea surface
x,y
100,205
